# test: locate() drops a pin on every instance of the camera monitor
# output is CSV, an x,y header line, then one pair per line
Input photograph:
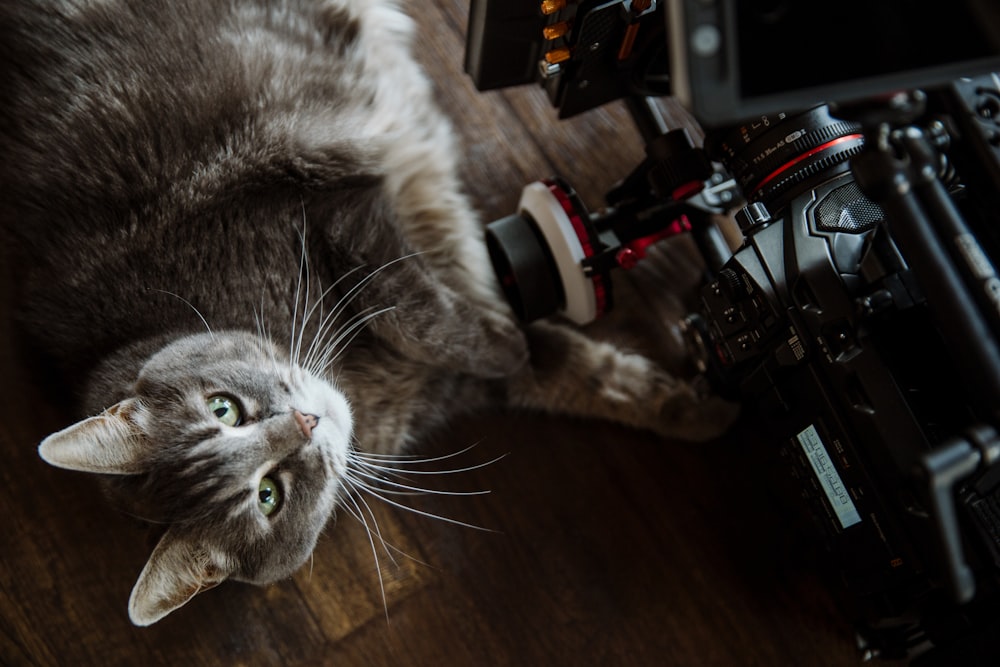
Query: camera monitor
x,y
735,59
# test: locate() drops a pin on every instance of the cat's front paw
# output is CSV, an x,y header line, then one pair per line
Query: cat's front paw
x,y
501,348
688,414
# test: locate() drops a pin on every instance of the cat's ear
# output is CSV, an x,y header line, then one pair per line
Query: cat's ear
x,y
110,443
176,571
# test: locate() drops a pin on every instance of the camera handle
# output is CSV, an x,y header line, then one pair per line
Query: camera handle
x,y
925,223
898,170
943,468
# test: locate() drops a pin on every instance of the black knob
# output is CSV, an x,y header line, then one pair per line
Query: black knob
x,y
730,284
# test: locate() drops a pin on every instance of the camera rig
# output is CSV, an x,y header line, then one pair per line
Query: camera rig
x,y
859,319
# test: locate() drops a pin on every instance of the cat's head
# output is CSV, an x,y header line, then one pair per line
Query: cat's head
x,y
240,453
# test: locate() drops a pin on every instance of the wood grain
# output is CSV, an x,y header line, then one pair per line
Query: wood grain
x,y
596,545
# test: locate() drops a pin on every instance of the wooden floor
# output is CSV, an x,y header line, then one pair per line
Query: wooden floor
x,y
603,546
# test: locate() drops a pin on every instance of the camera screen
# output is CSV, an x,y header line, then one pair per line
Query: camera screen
x,y
735,59
790,44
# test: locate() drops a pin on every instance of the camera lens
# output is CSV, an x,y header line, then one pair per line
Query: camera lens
x,y
774,157
525,267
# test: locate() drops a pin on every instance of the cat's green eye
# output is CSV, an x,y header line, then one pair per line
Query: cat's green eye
x,y
268,496
225,409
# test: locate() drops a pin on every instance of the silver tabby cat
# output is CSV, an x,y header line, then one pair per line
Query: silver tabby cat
x,y
239,238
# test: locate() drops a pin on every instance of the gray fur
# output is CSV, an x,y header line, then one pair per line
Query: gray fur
x,y
191,190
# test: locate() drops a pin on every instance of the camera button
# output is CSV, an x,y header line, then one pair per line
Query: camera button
x,y
752,215
706,41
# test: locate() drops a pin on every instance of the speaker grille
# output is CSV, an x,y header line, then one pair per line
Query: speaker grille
x,y
847,209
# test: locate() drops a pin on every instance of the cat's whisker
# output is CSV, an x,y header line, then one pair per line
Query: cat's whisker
x,y
354,509
371,276
411,458
345,336
265,336
143,519
443,471
365,488
342,338
321,307
388,462
407,556
259,324
408,489
387,546
308,310
318,347
388,474
353,498
326,321
357,498
303,271
320,350
382,472
189,305
354,291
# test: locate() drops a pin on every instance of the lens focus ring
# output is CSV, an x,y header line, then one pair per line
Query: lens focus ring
x,y
769,158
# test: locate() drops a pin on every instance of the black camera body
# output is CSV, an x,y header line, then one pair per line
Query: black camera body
x,y
860,317
883,418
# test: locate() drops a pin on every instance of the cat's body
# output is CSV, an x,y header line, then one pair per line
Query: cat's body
x,y
250,210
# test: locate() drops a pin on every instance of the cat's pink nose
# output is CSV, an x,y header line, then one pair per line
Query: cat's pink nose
x,y
306,422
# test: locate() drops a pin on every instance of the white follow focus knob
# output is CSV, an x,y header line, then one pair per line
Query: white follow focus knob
x,y
540,204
